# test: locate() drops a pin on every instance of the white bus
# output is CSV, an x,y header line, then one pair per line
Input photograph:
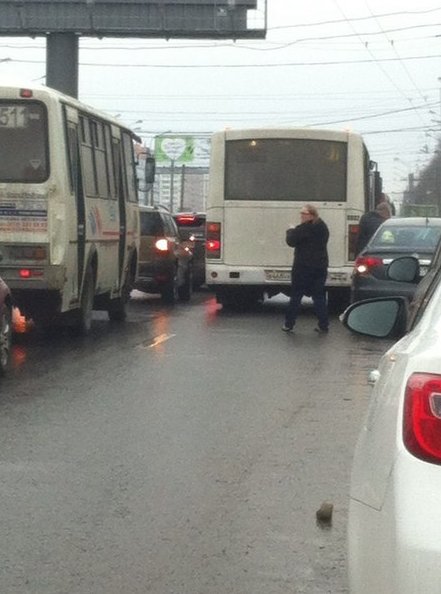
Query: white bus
x,y
69,223
259,180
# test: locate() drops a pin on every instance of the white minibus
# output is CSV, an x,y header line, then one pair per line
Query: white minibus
x,y
69,223
259,180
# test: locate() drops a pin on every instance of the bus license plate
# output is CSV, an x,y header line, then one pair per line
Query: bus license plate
x,y
278,276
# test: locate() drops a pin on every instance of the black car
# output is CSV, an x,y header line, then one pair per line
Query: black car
x,y
5,327
165,262
413,236
191,227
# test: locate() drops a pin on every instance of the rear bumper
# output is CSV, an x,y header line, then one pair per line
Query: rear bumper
x,y
154,279
370,288
267,276
396,548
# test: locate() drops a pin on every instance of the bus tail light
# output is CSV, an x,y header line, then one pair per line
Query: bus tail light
x,y
30,273
213,240
364,264
352,241
422,417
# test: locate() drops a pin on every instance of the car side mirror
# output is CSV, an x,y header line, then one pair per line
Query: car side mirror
x,y
384,317
405,270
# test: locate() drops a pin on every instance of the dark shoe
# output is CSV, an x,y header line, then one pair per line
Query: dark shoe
x,y
286,328
321,330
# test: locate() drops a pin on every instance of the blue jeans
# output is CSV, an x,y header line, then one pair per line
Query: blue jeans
x,y
308,282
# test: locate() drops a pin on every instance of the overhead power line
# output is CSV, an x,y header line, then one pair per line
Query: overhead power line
x,y
354,19
377,61
235,66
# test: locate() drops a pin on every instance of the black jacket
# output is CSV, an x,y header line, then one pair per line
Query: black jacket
x,y
310,241
369,223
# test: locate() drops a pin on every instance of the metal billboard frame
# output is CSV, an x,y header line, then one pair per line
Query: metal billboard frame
x,y
132,18
63,22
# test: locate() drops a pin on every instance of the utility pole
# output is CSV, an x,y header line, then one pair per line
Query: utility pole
x,y
172,183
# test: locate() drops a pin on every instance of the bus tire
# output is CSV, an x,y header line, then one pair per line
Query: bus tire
x,y
117,307
240,300
84,320
5,340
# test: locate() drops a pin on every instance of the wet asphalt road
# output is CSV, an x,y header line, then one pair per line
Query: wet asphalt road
x,y
183,452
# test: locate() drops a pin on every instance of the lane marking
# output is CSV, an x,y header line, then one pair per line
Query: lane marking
x,y
161,338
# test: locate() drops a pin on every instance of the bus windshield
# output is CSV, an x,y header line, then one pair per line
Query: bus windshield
x,y
23,138
286,169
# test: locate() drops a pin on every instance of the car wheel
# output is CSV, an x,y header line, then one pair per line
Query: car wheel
x,y
169,293
338,299
5,340
185,291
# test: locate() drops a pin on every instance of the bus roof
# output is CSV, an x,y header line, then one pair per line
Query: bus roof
x,y
41,91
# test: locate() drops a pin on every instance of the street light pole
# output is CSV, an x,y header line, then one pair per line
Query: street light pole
x,y
439,80
172,183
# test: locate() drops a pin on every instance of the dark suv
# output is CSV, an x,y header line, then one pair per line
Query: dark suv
x,y
192,230
165,262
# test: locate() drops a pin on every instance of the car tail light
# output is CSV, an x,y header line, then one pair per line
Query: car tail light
x,y
161,245
188,220
363,264
422,417
213,241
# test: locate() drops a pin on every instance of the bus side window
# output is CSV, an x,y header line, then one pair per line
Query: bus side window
x,y
110,163
129,166
72,150
87,158
119,178
99,148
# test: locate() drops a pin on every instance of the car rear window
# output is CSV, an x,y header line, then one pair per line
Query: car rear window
x,y
150,223
191,225
407,237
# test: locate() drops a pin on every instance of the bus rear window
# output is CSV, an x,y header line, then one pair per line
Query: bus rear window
x,y
304,170
23,138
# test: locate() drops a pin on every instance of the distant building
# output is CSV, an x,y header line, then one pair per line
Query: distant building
x,y
189,186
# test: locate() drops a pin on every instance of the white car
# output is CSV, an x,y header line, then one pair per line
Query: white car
x,y
394,527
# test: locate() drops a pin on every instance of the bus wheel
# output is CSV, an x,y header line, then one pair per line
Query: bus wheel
x,y
240,300
117,307
84,322
5,340
117,310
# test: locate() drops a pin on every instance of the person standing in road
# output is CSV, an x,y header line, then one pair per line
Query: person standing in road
x,y
369,223
310,267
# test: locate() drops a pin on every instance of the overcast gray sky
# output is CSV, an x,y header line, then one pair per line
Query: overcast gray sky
x,y
372,66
